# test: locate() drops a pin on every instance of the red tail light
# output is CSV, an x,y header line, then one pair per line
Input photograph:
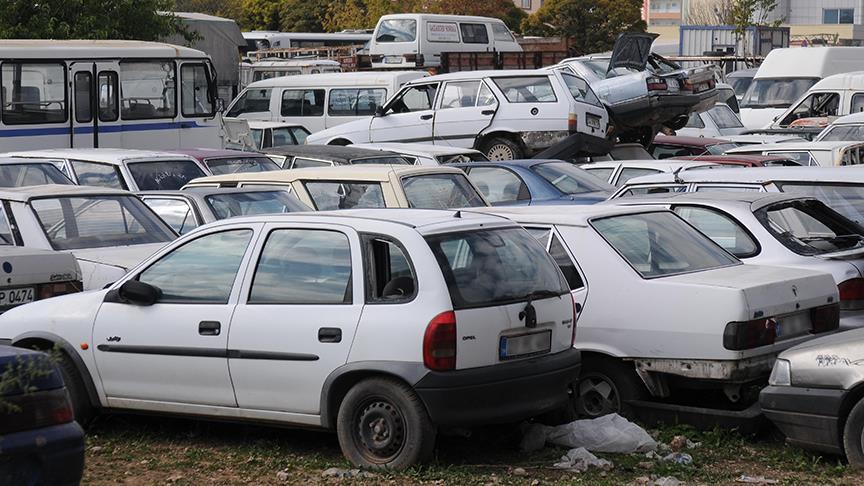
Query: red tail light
x,y
45,291
852,294
657,84
749,334
572,123
825,318
417,59
576,309
439,342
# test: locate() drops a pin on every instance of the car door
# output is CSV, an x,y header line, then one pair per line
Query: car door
x,y
176,349
297,315
465,109
554,244
408,117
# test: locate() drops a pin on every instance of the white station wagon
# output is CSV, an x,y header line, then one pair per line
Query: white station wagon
x,y
380,324
504,114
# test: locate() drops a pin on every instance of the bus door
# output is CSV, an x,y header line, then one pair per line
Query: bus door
x,y
198,117
95,98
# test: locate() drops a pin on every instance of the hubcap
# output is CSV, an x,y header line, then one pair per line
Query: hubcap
x,y
499,151
598,396
380,431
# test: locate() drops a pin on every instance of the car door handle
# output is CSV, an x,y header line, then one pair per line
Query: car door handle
x,y
330,335
209,328
425,117
487,112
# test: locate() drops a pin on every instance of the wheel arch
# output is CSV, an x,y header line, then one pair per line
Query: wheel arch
x,y
852,397
481,140
340,141
45,341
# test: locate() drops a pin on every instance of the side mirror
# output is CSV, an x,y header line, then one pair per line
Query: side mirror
x,y
139,293
379,111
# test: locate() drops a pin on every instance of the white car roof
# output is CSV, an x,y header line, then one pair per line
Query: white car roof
x,y
24,194
852,119
364,172
417,148
114,156
761,139
720,199
852,80
335,79
790,146
577,215
261,125
761,175
505,73
667,165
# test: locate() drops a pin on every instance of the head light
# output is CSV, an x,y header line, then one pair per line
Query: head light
x,y
781,374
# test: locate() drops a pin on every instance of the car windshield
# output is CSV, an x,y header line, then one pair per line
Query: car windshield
x,y
397,30
73,223
234,165
456,158
394,160
843,133
283,136
570,179
441,191
30,174
164,175
775,92
809,227
739,84
250,203
345,195
660,244
847,199
720,148
495,267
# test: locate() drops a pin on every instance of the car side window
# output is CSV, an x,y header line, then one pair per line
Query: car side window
x,y
637,190
694,121
202,270
414,98
499,186
474,33
460,95
95,174
666,151
602,173
628,173
302,162
303,266
814,105
721,228
251,101
736,188
857,103
803,158
565,263
389,275
175,212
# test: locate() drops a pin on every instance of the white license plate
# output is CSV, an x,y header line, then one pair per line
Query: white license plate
x,y
525,345
13,297
793,325
392,59
592,121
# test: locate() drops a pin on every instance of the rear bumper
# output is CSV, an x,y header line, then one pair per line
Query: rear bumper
x,y
808,417
51,455
503,393
730,371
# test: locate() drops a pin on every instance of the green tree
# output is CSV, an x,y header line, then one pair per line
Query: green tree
x,y
364,14
590,25
260,14
89,19
231,9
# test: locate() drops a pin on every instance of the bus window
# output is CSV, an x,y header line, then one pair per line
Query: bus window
x,y
147,90
33,93
83,97
108,96
193,90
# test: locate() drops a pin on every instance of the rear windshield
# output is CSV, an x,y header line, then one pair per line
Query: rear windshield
x,y
397,30
441,191
236,165
809,227
345,195
381,160
495,267
570,179
846,199
249,203
661,244
164,175
843,133
20,175
73,223
456,158
720,148
724,117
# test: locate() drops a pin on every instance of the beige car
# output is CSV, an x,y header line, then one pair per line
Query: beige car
x,y
366,186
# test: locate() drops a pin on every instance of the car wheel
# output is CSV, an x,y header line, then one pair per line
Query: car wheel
x,y
853,436
605,386
81,406
502,149
383,424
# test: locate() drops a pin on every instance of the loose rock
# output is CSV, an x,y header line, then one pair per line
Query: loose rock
x,y
666,481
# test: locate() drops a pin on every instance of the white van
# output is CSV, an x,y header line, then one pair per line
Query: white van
x,y
318,101
275,68
837,95
786,74
417,40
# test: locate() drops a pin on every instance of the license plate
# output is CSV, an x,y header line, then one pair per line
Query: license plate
x,y
592,121
793,325
524,345
392,59
13,297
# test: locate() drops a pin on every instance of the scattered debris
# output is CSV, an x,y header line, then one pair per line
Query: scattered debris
x,y
756,480
519,472
580,460
678,442
283,475
653,455
174,478
646,465
609,433
679,458
666,481
95,449
640,481
335,472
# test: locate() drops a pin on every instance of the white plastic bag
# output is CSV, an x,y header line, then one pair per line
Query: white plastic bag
x,y
609,433
580,460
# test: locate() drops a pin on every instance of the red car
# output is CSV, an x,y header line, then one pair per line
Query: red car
x,y
665,146
230,161
744,160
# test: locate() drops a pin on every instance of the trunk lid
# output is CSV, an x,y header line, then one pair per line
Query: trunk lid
x,y
631,51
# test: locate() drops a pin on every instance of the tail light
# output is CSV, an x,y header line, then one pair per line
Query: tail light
x,y
417,59
749,334
687,85
576,309
825,318
852,294
35,410
45,291
656,84
439,342
572,123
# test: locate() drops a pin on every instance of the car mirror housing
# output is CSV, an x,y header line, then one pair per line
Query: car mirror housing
x,y
139,293
379,111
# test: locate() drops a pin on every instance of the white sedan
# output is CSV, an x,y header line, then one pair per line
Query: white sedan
x,y
665,310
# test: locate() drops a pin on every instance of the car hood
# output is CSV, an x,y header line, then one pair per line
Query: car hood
x,y
356,126
631,51
124,257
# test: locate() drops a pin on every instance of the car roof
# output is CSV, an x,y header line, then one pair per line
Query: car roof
x,y
331,152
509,163
24,194
731,158
689,141
207,191
30,160
105,155
760,175
789,146
743,73
261,124
852,119
666,165
328,79
207,153
722,198
416,148
577,215
504,73
366,172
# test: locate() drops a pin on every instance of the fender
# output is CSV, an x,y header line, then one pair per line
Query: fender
x,y
336,384
70,351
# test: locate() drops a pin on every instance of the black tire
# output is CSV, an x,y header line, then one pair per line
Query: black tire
x,y
500,148
403,434
605,386
83,409
853,436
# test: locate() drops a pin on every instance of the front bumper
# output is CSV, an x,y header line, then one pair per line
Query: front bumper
x,y
502,393
809,417
51,455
